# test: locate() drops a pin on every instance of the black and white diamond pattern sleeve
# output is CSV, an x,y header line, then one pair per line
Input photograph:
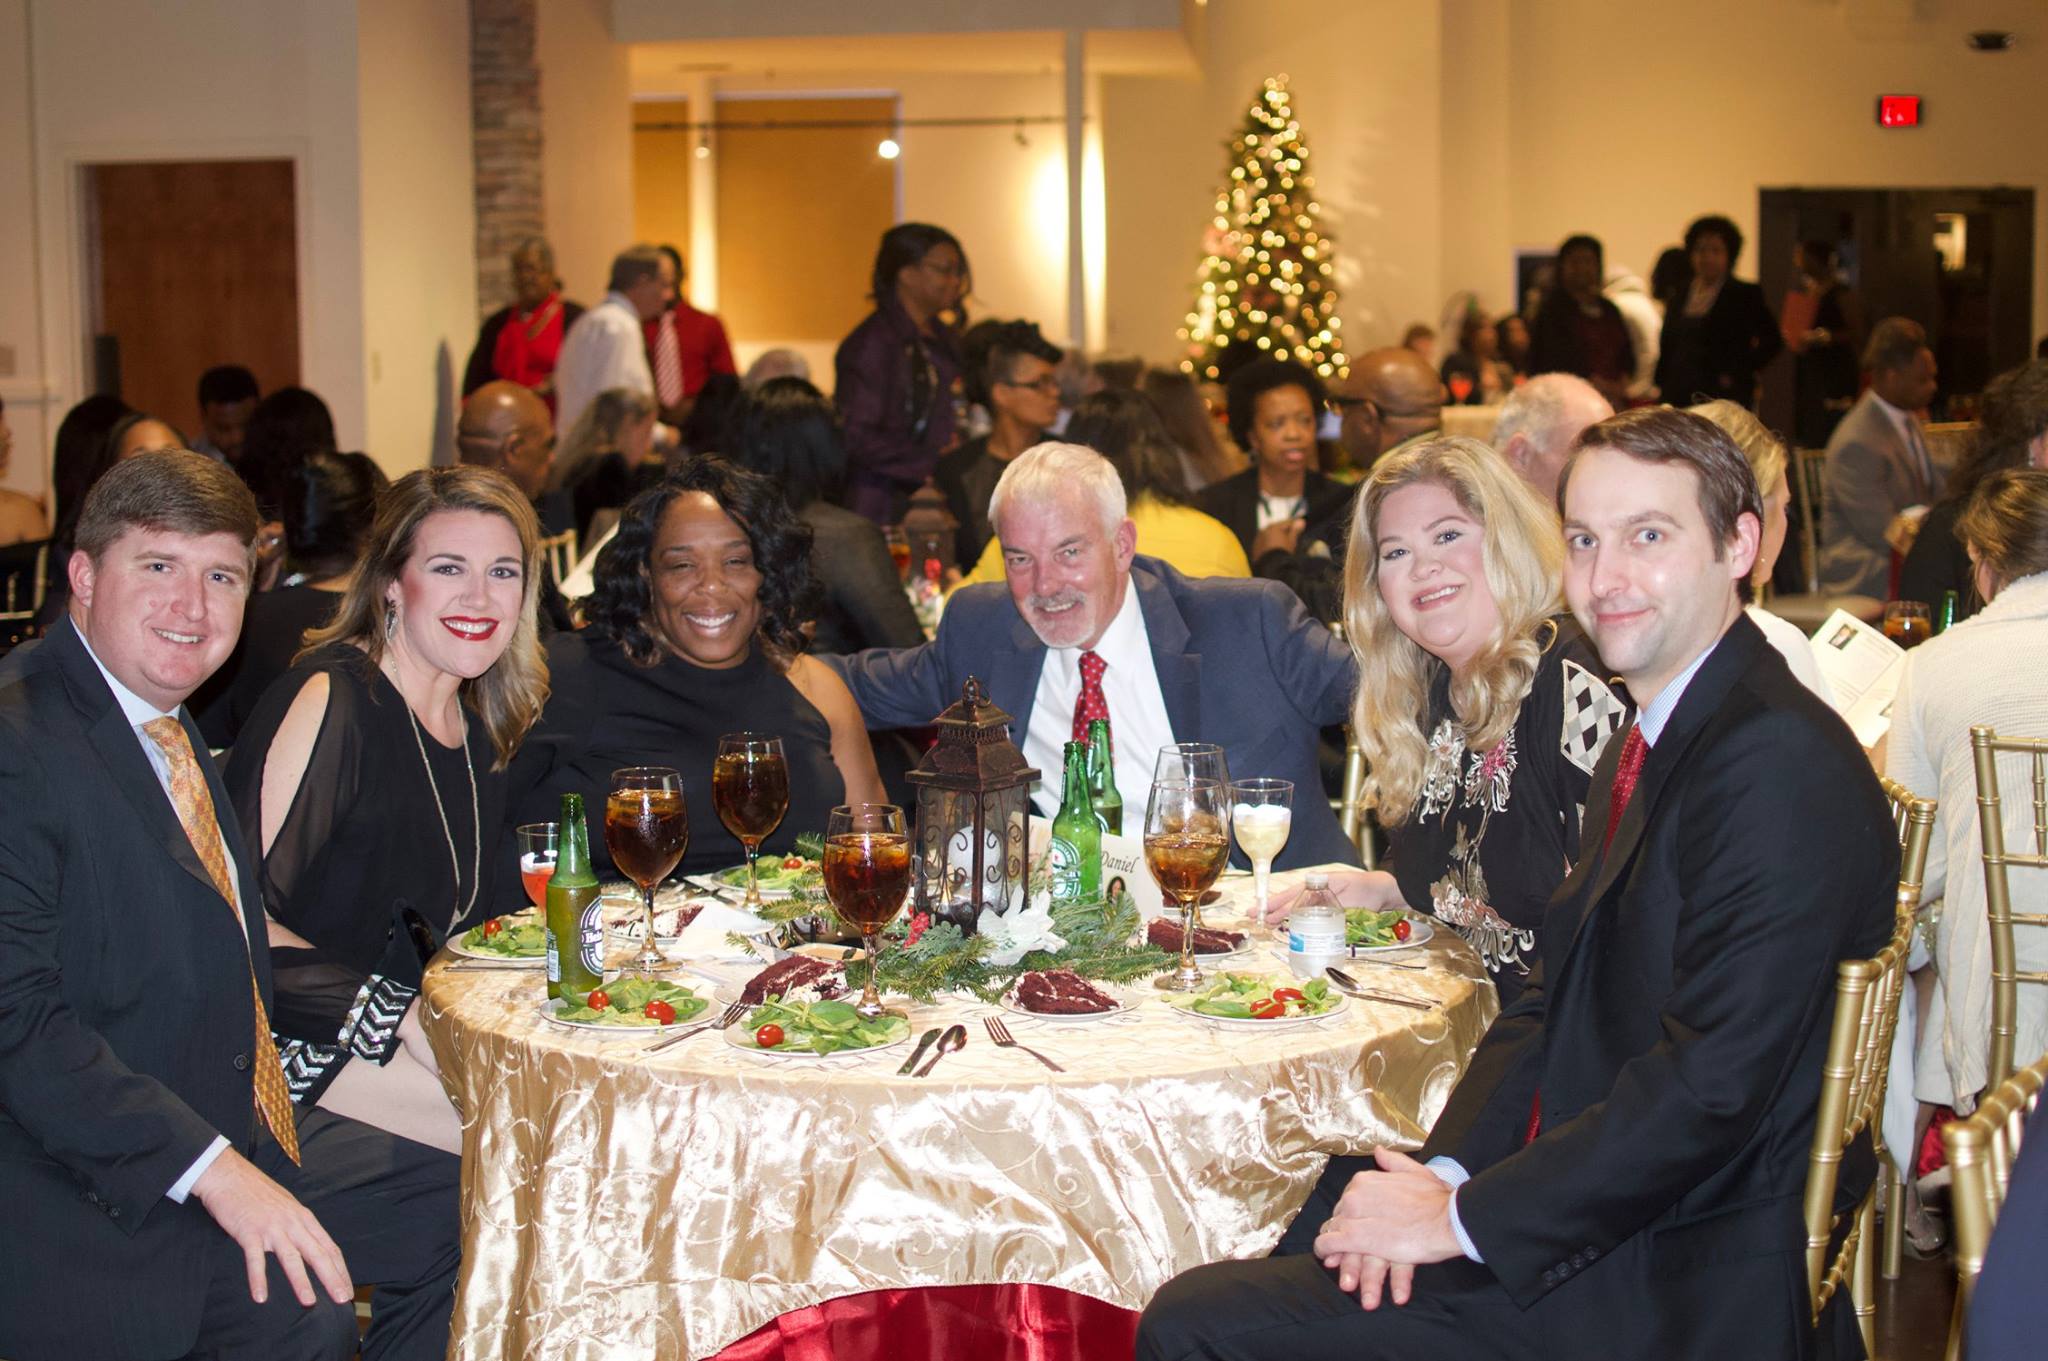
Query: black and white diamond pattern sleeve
x,y
371,1030
1592,714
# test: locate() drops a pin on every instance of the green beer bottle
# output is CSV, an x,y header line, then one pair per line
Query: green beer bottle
x,y
1950,602
1076,836
1109,805
575,919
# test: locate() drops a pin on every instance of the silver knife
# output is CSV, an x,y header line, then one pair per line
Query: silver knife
x,y
924,1042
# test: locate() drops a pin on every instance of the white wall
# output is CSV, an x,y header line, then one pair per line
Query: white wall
x,y
418,225
586,142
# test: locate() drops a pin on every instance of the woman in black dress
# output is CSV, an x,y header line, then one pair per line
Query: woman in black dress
x,y
1722,331
695,632
372,777
1481,708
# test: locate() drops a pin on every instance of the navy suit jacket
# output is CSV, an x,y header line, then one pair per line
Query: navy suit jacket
x,y
2005,1310
126,1027
1675,1027
1240,664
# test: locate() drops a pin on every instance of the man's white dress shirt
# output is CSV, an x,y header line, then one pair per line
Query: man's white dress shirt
x,y
605,349
1138,725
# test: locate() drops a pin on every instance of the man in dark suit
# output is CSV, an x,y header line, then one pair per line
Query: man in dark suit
x,y
1088,628
150,1157
1620,1170
1878,462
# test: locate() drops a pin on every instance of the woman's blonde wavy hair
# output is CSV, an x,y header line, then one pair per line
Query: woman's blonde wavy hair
x,y
509,696
1523,552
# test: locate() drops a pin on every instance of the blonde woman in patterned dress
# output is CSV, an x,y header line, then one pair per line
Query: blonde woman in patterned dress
x,y
1481,706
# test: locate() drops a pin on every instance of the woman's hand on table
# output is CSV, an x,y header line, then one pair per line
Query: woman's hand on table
x,y
1373,889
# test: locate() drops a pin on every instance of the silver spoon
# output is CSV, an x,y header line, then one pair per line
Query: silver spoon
x,y
954,1038
924,1042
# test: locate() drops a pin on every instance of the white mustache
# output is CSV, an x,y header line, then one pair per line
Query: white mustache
x,y
1055,602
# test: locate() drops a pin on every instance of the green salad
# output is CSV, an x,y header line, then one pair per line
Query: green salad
x,y
779,872
819,1027
1363,926
520,937
1260,997
635,1003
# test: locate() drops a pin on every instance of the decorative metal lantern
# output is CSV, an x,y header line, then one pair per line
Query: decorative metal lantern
x,y
973,814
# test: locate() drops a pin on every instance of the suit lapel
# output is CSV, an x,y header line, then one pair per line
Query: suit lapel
x,y
1011,678
1730,659
1179,669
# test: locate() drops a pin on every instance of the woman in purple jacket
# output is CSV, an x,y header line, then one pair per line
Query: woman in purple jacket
x,y
898,385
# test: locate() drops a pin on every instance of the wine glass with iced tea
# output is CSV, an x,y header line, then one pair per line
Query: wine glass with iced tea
x,y
867,874
1187,843
647,829
750,789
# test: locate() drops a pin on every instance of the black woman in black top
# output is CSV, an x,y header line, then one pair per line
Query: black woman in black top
x,y
695,632
1481,710
372,777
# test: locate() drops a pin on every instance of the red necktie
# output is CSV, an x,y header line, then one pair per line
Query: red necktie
x,y
668,362
1092,704
1633,750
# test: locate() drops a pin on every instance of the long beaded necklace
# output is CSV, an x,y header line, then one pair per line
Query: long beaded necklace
x,y
475,818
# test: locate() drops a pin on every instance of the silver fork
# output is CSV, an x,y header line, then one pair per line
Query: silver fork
x,y
731,1014
1000,1033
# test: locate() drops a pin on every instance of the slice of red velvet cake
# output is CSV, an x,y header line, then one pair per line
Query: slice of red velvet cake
x,y
822,981
1061,992
1208,941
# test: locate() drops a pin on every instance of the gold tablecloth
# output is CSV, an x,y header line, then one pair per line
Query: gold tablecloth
x,y
618,1204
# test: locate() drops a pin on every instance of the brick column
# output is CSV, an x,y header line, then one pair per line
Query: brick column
x,y
505,119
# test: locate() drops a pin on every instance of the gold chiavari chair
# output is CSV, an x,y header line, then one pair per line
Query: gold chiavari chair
x,y
1980,1154
558,553
2006,976
1913,817
1350,803
1852,1101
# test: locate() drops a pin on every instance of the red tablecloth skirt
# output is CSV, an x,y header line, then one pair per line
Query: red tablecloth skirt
x,y
987,1322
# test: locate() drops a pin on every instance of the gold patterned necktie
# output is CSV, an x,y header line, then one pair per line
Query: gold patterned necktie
x,y
194,802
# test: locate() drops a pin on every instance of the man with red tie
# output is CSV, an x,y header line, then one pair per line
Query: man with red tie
x,y
685,347
164,1196
1089,628
1619,1171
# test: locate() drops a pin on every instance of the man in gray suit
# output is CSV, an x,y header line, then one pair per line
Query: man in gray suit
x,y
1089,628
1878,463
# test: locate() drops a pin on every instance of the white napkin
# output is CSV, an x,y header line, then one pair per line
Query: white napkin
x,y
705,938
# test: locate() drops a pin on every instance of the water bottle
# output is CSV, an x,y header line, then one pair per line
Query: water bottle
x,y
1315,929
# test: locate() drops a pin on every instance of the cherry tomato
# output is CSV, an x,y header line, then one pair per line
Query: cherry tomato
x,y
493,927
598,1000
1268,1009
660,1011
792,862
1402,930
1288,995
768,1036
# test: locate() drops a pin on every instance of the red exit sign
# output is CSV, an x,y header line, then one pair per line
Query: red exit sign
x,y
1898,111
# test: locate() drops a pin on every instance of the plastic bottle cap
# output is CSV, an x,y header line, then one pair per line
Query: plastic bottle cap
x,y
1316,880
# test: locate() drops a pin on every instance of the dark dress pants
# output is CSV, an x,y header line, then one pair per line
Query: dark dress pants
x,y
1288,1306
390,1205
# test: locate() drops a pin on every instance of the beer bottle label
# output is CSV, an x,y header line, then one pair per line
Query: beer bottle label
x,y
554,963
1063,866
590,937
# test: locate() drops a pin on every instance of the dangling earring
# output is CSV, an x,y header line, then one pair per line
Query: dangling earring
x,y
390,620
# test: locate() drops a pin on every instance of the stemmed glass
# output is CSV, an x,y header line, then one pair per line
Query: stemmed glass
x,y
1192,761
647,829
750,789
1187,843
867,874
536,859
1261,814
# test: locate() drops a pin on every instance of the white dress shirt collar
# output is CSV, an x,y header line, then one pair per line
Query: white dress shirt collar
x,y
134,707
1654,715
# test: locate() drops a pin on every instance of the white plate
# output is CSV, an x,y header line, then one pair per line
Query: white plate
x,y
1419,933
1179,1002
739,873
456,947
551,1008
1125,1003
740,1037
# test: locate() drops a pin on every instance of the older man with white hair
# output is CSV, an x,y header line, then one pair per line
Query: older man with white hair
x,y
1088,627
1538,423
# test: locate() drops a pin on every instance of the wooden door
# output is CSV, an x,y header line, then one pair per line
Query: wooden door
x,y
195,263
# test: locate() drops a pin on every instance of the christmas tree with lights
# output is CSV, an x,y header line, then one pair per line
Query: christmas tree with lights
x,y
1267,284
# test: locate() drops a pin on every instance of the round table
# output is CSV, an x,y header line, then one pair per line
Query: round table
x,y
618,1203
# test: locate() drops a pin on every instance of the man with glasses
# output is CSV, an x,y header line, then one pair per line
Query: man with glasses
x,y
1389,397
1017,383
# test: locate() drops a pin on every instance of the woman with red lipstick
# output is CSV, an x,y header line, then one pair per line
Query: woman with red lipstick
x,y
696,631
1481,706
372,776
